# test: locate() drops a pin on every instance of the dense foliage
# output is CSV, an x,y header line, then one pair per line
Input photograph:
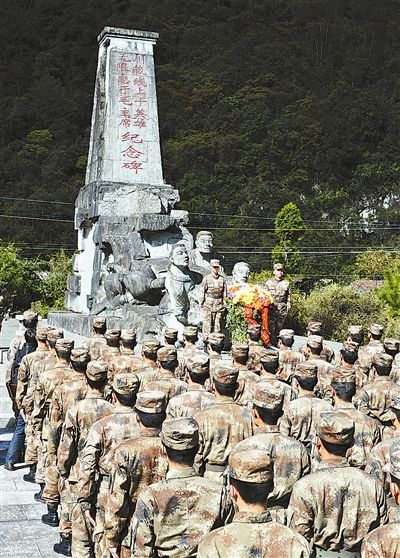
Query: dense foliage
x,y
262,103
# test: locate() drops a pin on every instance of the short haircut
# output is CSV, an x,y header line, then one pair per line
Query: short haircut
x,y
128,343
227,390
151,355
241,359
191,338
52,343
169,364
252,492
151,420
197,378
126,399
254,335
315,350
182,457
307,384
269,366
96,384
268,416
216,346
79,366
382,370
335,449
348,356
376,336
344,390
100,329
61,352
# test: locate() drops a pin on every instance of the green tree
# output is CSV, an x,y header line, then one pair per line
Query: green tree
x,y
373,264
390,292
289,231
53,284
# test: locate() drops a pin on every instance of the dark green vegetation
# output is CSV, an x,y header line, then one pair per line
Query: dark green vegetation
x,y
261,102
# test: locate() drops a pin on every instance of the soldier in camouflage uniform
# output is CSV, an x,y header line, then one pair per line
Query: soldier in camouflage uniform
x,y
165,379
212,300
252,533
22,399
127,360
391,347
171,337
111,349
374,398
325,369
279,289
222,426
149,359
173,515
76,429
335,507
47,382
196,398
136,464
290,459
255,346
215,345
247,379
271,372
97,456
288,358
375,345
97,341
315,328
384,542
300,414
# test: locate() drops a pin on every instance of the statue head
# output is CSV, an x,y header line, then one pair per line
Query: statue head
x,y
241,272
204,241
179,255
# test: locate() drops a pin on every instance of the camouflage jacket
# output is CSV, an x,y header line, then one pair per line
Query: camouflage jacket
x,y
374,399
288,360
37,368
325,370
300,418
46,383
24,375
247,382
220,429
288,392
251,535
120,363
378,458
213,293
16,343
167,383
137,463
290,459
279,290
94,345
97,455
335,508
78,421
327,353
173,515
383,542
187,404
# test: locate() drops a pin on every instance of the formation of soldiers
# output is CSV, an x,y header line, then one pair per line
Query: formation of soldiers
x,y
175,451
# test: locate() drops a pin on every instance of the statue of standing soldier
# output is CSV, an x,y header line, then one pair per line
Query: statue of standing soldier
x,y
212,300
280,292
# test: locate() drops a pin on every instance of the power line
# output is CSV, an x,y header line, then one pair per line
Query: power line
x,y
35,200
35,218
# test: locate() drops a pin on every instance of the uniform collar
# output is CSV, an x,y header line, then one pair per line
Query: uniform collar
x,y
251,517
183,473
267,429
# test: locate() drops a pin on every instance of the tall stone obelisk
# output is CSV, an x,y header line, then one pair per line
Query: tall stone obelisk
x,y
124,214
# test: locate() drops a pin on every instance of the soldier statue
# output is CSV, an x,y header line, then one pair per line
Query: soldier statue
x,y
212,300
280,292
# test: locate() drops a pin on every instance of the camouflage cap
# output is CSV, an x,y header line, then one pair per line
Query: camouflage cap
x,y
225,374
269,395
96,370
306,370
278,266
240,351
391,344
335,427
190,331
393,467
199,363
41,333
382,359
314,327
128,334
170,333
254,328
125,383
99,321
354,330
112,334
269,356
216,338
80,354
151,345
286,333
152,402
64,345
343,376
180,434
55,333
215,263
165,354
253,465
30,315
315,342
351,346
376,329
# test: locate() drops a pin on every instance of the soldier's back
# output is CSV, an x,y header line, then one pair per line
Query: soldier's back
x,y
288,359
383,542
189,403
378,459
300,417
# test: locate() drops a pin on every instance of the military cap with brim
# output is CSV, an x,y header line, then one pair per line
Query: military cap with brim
x,y
125,383
41,333
216,338
199,363
315,341
65,345
269,395
215,263
165,354
254,328
343,376
55,333
314,327
30,315
286,333
96,370
253,466
391,344
180,434
151,345
376,329
80,354
152,402
278,266
269,356
190,331
354,330
112,334
351,346
170,333
382,359
335,427
240,351
128,334
99,321
306,370
393,467
225,374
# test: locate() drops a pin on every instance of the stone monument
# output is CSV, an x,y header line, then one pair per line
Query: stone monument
x,y
124,215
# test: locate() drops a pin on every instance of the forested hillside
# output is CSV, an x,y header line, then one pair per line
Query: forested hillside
x,y
261,103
